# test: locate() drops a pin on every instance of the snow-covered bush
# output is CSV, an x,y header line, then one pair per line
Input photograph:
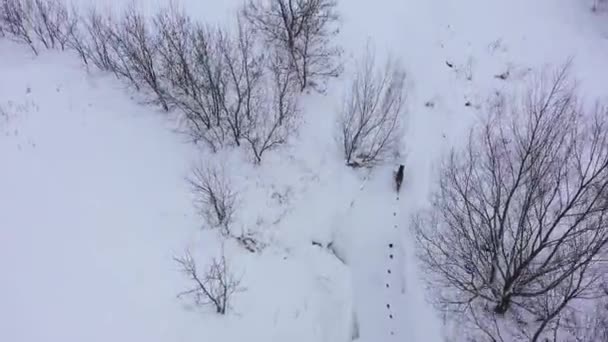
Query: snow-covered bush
x,y
370,122
517,227
214,287
302,31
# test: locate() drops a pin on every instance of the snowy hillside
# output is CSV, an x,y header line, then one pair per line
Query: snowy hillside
x,y
95,203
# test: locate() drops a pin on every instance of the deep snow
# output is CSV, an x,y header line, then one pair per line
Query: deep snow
x,y
94,205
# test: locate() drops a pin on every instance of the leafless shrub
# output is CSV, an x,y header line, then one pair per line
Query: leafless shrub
x,y
215,287
40,14
76,38
66,20
98,29
519,220
370,119
195,68
244,70
191,65
230,90
302,30
277,119
51,21
214,197
16,21
135,48
109,44
46,21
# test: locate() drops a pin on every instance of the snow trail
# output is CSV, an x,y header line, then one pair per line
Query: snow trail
x,y
382,289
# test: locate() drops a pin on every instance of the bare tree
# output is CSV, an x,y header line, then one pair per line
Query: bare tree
x,y
16,21
98,29
135,45
277,119
302,30
370,121
244,70
76,38
47,21
215,287
192,66
48,18
518,223
64,22
214,197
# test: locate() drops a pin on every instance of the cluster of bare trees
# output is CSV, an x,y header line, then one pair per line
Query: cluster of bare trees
x,y
229,88
232,87
518,227
370,125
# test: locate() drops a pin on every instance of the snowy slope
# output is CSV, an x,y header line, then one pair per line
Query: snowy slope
x,y
93,202
94,207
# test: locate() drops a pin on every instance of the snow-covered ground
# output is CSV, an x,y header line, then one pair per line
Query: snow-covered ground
x,y
94,203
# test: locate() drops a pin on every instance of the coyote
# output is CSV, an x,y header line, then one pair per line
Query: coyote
x,y
399,177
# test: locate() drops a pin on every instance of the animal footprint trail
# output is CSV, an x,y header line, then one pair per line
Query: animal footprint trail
x,y
378,272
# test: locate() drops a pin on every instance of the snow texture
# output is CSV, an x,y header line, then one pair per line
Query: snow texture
x,y
94,203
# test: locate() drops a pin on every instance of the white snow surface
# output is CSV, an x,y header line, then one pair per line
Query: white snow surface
x,y
94,203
